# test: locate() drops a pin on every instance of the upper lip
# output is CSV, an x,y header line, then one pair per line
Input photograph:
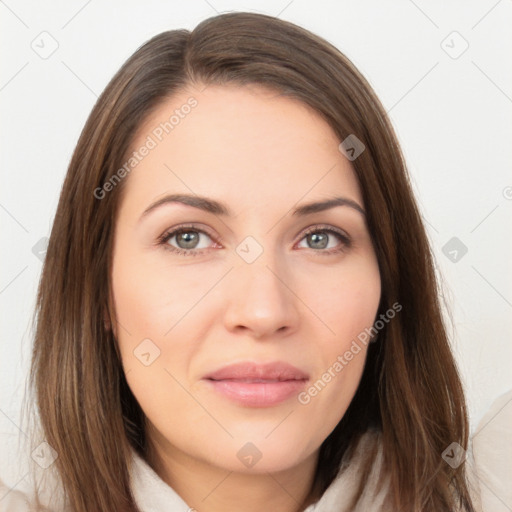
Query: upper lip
x,y
276,371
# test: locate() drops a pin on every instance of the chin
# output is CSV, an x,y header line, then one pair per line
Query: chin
x,y
257,455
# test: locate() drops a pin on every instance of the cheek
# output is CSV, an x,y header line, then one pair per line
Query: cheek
x,y
150,297
329,396
157,310
153,343
348,308
346,301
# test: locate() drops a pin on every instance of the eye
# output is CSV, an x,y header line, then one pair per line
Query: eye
x,y
184,240
318,238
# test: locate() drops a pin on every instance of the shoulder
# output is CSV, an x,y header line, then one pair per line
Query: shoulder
x,y
490,455
343,489
13,500
36,491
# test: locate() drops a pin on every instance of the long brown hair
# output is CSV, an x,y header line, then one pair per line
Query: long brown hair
x,y
410,390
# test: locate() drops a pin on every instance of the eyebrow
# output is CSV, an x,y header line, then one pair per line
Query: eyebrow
x,y
217,208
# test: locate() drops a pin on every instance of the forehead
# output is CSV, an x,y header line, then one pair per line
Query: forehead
x,y
240,144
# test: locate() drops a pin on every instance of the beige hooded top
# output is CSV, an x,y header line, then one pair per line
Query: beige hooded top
x,y
488,464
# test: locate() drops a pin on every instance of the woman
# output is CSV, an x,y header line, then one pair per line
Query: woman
x,y
298,361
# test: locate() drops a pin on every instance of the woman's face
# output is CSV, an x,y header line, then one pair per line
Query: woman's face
x,y
255,284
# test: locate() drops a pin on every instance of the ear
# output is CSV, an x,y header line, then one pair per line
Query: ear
x,y
107,322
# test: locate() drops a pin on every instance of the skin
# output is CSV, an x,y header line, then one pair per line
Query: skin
x,y
262,155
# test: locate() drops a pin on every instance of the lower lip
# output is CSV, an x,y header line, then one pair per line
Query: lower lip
x,y
257,394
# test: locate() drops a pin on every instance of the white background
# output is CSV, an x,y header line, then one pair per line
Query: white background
x,y
452,116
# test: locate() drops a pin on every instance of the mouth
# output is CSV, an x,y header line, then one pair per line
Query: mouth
x,y
257,385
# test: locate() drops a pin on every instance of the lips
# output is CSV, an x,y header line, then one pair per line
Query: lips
x,y
257,385
278,371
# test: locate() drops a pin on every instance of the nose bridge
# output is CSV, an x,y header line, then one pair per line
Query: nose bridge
x,y
263,278
260,298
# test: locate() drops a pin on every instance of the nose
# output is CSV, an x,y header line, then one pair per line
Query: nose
x,y
261,300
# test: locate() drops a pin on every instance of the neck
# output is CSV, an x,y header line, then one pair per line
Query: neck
x,y
209,488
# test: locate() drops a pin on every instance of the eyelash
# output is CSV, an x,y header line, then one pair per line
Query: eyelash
x,y
162,240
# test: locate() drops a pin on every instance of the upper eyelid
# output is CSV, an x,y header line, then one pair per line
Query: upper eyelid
x,y
178,229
